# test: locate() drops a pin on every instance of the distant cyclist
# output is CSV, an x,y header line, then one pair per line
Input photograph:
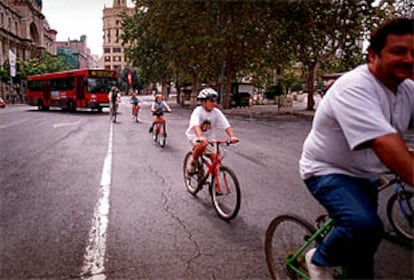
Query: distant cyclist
x,y
205,120
158,107
114,98
136,104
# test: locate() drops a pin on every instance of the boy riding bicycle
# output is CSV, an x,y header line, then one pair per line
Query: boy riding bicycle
x,y
355,136
204,122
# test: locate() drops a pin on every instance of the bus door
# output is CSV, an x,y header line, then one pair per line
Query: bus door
x,y
46,92
80,91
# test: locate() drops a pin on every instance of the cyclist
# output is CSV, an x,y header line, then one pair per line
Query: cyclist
x,y
205,120
136,104
114,98
355,136
158,107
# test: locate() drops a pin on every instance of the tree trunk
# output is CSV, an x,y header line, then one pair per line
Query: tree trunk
x,y
193,100
309,85
229,74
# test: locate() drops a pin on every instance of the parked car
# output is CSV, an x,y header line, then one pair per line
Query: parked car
x,y
2,103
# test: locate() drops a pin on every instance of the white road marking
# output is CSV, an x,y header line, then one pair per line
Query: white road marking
x,y
94,258
66,124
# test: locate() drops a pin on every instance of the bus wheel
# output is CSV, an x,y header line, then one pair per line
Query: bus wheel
x,y
40,105
71,106
100,109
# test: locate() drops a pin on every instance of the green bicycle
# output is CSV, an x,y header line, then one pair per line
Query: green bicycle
x,y
289,237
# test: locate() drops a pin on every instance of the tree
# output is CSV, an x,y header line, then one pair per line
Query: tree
x,y
316,31
205,39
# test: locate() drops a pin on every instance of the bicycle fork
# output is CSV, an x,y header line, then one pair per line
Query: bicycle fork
x,y
292,262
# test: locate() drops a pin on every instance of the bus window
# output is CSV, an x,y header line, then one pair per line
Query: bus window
x,y
100,85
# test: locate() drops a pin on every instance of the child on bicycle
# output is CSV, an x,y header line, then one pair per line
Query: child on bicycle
x,y
158,107
205,120
136,104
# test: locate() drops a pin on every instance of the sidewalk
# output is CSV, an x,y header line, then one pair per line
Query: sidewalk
x,y
267,111
271,111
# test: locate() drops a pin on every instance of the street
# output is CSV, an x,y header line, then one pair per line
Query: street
x,y
83,198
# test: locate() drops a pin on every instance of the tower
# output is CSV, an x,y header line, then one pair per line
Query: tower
x,y
113,51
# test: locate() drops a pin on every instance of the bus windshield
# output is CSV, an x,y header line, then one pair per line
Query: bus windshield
x,y
100,85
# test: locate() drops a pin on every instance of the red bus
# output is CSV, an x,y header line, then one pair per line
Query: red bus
x,y
81,88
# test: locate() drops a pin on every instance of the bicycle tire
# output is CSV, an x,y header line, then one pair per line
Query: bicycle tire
x,y
114,114
154,132
162,137
284,236
404,226
190,180
226,201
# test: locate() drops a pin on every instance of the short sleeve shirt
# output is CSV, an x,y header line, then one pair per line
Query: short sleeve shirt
x,y
357,108
209,123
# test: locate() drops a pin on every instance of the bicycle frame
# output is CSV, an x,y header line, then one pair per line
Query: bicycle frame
x,y
158,125
319,234
322,230
213,166
399,187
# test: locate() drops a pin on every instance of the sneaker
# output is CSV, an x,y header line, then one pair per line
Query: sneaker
x,y
192,168
317,272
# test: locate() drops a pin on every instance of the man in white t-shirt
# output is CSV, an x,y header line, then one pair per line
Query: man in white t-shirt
x,y
356,135
205,121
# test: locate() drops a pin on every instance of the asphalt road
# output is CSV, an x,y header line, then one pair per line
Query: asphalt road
x,y
80,196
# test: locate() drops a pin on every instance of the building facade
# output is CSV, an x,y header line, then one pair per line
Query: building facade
x,y
76,53
113,51
25,31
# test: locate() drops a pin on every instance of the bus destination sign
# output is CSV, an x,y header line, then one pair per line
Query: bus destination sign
x,y
100,73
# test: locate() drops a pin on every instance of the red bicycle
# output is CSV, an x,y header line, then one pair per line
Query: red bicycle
x,y
223,186
159,135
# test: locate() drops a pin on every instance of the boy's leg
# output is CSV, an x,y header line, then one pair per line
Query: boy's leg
x,y
358,230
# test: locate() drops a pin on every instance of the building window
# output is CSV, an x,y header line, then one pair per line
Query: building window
x,y
117,58
109,35
116,50
107,50
107,58
117,35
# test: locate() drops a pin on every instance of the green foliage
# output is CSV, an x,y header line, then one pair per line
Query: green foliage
x,y
44,64
215,40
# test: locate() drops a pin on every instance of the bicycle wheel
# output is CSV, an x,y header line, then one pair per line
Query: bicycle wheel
x,y
162,137
226,194
400,212
114,114
190,179
284,236
154,132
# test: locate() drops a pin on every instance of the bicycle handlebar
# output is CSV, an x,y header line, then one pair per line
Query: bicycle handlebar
x,y
219,142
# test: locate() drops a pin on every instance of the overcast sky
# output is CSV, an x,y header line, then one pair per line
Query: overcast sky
x,y
73,18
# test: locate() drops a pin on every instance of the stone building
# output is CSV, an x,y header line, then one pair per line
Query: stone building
x,y
113,51
25,31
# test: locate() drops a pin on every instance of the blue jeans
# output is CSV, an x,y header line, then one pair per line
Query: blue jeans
x,y
353,203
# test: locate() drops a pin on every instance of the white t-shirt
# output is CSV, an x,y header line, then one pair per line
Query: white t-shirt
x,y
210,123
356,109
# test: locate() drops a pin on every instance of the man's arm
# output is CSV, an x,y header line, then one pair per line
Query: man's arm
x,y
394,154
